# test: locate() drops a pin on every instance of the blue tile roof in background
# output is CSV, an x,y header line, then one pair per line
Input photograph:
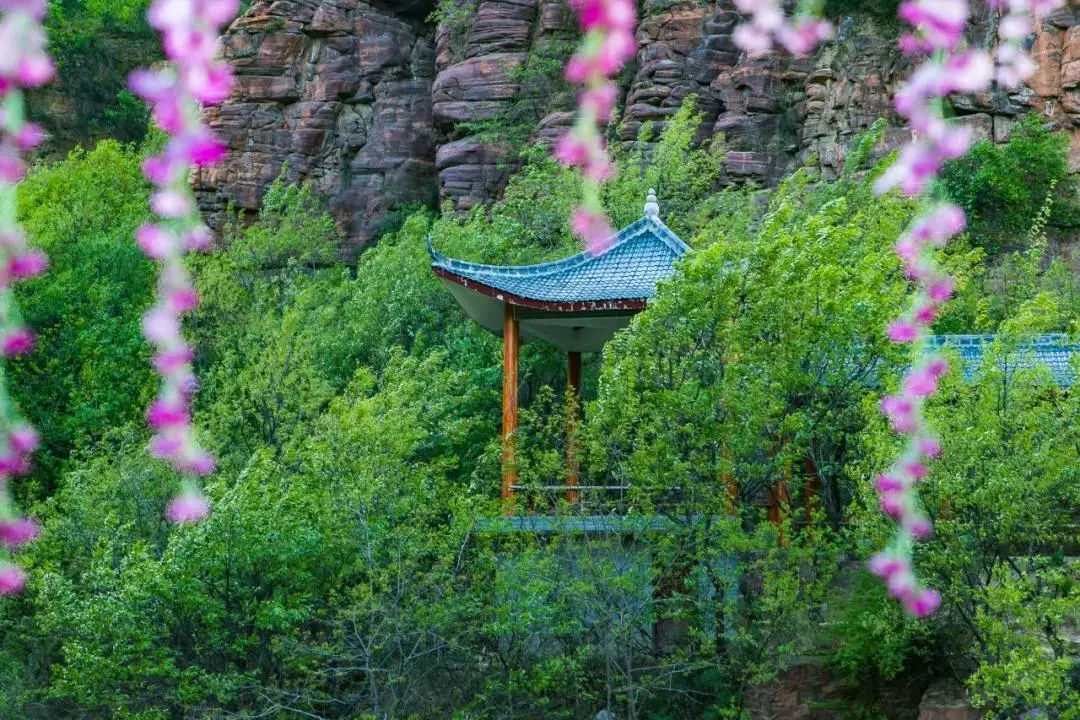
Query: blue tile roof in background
x,y
1053,352
629,269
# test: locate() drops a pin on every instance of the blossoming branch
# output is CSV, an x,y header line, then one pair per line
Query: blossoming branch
x,y
23,64
607,46
938,34
194,77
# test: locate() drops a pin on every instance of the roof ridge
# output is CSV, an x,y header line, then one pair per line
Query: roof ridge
x,y
623,237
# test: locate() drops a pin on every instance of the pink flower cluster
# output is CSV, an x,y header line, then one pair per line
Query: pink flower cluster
x,y
768,25
938,29
193,78
1014,65
607,46
23,64
934,140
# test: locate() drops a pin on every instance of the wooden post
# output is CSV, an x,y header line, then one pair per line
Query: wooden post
x,y
780,501
813,491
729,483
511,343
573,390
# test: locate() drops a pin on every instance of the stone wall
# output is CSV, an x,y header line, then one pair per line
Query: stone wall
x,y
375,107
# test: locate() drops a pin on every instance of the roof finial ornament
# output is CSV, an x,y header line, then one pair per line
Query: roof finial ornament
x,y
652,207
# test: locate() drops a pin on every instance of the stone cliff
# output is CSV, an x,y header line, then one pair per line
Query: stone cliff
x,y
378,108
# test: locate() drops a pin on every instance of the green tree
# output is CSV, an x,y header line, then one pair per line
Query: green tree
x,y
91,370
1000,186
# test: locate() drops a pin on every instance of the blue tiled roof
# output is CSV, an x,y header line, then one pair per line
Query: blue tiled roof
x,y
629,269
1053,352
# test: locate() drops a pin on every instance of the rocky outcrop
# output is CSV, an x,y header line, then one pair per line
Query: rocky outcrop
x,y
377,109
334,92
807,691
946,700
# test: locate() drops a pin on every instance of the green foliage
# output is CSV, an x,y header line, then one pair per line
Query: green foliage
x,y
1000,185
355,564
880,9
96,44
1017,289
531,223
542,89
723,375
453,14
91,371
683,175
1004,496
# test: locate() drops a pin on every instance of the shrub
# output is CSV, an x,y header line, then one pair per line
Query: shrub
x,y
1001,186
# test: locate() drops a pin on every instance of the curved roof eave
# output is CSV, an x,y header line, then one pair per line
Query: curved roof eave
x,y
655,259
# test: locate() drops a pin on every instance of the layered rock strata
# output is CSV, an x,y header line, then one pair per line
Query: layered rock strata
x,y
377,109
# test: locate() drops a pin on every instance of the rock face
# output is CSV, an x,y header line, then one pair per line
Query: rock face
x,y
339,93
806,691
946,700
378,109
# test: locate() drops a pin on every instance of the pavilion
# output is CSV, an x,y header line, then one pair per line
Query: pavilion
x,y
576,304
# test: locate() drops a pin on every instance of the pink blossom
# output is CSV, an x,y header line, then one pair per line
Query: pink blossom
x,y
930,447
607,14
23,65
205,149
915,469
939,23
160,326
17,341
608,44
165,446
19,532
35,71
23,439
892,504
194,76
900,411
28,264
30,136
919,528
199,463
601,100
165,414
12,579
886,566
188,507
156,242
937,29
941,290
172,204
170,361
183,300
888,484
159,169
924,315
920,383
924,603
902,332
767,25
571,151
593,228
197,239
13,464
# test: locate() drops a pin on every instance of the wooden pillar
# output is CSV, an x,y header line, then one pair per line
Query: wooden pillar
x,y
729,483
573,391
813,491
779,502
511,344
